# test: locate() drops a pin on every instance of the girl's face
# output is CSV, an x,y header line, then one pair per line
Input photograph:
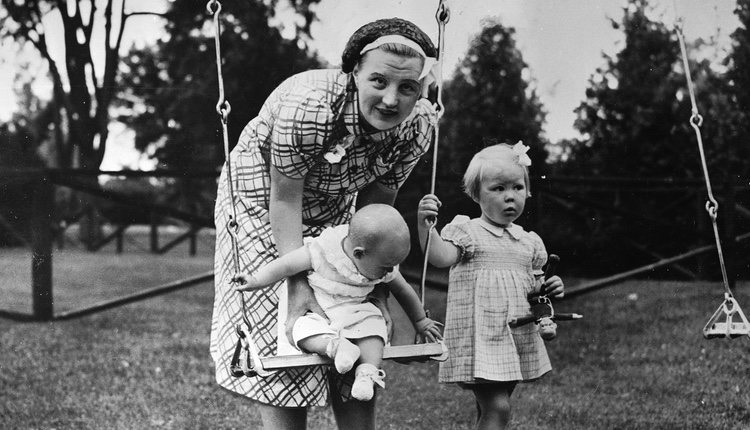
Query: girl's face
x,y
388,86
502,194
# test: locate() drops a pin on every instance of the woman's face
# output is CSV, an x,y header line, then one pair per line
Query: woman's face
x,y
388,86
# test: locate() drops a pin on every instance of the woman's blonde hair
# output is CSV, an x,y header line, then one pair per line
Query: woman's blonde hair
x,y
498,153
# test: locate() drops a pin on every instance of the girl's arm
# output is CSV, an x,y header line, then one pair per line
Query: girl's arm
x,y
409,301
289,264
442,253
285,213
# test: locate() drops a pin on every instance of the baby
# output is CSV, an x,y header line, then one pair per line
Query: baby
x,y
343,266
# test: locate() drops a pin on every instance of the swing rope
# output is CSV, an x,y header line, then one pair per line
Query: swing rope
x,y
250,363
442,16
721,323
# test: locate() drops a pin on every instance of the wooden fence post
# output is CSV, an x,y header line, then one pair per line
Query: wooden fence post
x,y
42,202
154,236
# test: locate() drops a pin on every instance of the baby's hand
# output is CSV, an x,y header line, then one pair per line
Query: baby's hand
x,y
554,287
429,329
245,282
427,211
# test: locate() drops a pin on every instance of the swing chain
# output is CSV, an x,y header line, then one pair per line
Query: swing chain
x,y
696,120
442,16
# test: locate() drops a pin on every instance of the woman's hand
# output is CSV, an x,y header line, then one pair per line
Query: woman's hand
x,y
301,300
427,211
554,287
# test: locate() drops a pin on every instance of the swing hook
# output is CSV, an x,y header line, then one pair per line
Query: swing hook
x,y
213,7
443,14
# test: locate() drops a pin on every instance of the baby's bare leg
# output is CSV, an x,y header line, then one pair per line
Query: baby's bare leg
x,y
315,344
371,350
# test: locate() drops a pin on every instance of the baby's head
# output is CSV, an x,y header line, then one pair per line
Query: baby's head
x,y
379,239
498,179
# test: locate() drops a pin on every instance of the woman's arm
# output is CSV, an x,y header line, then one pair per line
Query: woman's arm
x,y
441,253
285,213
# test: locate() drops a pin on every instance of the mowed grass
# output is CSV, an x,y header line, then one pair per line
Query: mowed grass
x,y
636,361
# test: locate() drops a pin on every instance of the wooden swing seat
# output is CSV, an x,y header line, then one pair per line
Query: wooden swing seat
x,y
433,351
728,321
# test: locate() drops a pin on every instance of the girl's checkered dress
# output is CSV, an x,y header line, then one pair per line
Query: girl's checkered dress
x,y
301,121
488,288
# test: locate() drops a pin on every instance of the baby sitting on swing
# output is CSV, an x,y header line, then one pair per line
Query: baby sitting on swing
x,y
343,266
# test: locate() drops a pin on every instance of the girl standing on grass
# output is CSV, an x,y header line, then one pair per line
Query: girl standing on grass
x,y
494,265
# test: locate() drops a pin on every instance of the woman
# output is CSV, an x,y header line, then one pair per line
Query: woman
x,y
324,142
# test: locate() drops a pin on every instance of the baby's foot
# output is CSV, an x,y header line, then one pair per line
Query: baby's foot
x,y
344,354
366,377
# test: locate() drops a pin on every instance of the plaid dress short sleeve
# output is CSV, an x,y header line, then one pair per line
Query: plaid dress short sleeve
x,y
302,123
457,233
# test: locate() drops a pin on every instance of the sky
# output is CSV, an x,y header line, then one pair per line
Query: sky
x,y
562,41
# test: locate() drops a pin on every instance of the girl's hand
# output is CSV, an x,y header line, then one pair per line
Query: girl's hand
x,y
554,287
427,211
428,330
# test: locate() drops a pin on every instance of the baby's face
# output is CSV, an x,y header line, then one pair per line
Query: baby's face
x,y
380,261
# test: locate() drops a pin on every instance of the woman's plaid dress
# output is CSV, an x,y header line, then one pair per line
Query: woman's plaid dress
x,y
306,117
486,289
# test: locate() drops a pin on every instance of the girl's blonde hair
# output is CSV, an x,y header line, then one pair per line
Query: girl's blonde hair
x,y
498,153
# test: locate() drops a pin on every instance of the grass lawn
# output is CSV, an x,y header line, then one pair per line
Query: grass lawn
x,y
636,361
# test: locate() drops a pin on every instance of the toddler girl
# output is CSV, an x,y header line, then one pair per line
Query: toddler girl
x,y
343,266
494,265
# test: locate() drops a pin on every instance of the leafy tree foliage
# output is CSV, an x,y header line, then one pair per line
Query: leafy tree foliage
x,y
635,123
171,89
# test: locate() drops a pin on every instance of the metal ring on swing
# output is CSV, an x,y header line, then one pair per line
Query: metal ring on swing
x,y
696,119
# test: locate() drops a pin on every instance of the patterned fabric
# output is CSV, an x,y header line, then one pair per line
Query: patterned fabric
x,y
487,288
304,118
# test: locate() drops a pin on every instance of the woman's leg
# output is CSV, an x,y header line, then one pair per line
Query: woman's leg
x,y
352,414
275,417
493,401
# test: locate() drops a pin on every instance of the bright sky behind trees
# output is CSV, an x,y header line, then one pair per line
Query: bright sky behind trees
x,y
561,40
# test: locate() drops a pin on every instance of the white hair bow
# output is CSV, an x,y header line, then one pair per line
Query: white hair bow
x,y
520,150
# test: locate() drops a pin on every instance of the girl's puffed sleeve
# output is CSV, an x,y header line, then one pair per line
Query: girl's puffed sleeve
x,y
299,131
413,141
539,256
457,233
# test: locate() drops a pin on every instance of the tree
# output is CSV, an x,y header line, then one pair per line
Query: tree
x,y
82,91
487,99
635,123
171,88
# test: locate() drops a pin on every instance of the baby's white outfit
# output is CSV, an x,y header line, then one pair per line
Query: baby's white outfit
x,y
341,291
